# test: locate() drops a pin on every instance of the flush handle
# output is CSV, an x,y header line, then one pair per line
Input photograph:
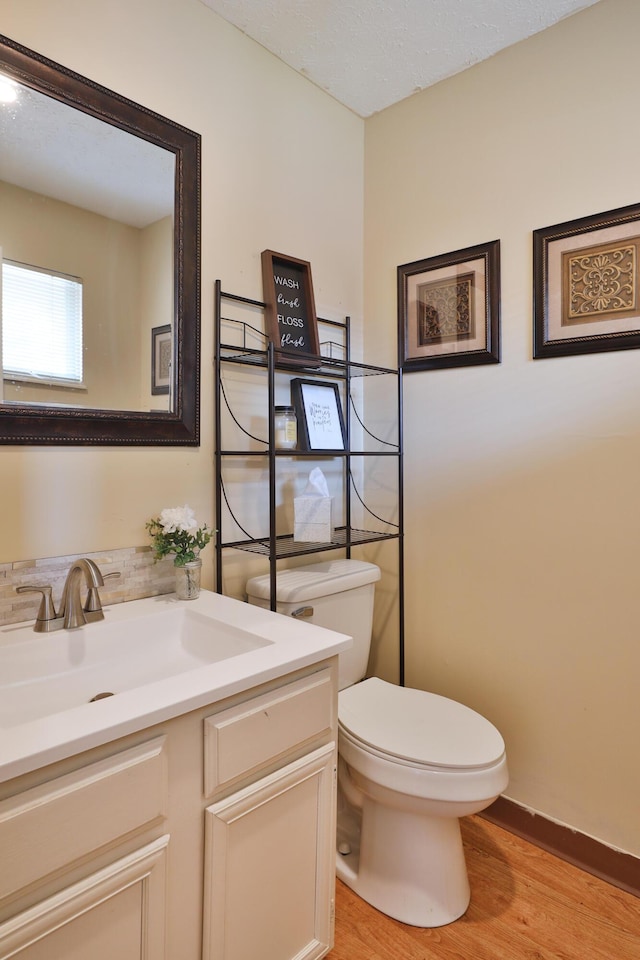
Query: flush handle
x,y
302,613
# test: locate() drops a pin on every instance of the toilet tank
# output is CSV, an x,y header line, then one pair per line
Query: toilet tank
x,y
338,595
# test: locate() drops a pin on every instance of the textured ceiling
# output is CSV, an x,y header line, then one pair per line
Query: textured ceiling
x,y
53,149
369,54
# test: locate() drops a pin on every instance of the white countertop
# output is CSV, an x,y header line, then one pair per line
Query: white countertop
x,y
291,645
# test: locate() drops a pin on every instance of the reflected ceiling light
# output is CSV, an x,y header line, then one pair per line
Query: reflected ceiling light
x,y
8,90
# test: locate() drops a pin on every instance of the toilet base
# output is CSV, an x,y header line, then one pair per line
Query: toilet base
x,y
409,866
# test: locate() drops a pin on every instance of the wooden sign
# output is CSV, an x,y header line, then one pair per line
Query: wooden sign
x,y
291,319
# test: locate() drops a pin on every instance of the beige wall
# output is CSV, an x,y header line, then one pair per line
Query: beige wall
x,y
57,236
282,168
522,478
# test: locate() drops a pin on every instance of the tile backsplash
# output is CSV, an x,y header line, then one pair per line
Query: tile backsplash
x,y
140,576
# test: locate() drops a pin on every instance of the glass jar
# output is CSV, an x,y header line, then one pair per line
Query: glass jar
x,y
285,428
188,579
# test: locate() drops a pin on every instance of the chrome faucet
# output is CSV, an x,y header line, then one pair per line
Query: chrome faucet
x,y
72,613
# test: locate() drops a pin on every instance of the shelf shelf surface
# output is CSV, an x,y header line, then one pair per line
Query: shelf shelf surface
x,y
311,454
286,546
312,365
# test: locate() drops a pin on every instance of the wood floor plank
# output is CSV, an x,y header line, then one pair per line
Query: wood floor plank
x,y
570,899
526,904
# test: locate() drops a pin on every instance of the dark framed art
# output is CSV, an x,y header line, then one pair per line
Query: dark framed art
x,y
161,348
586,294
319,413
449,309
290,311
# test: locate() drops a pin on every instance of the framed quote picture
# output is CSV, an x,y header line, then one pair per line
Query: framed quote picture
x,y
449,309
290,310
586,290
161,349
319,413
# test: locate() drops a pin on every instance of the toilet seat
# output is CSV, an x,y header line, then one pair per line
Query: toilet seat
x,y
417,728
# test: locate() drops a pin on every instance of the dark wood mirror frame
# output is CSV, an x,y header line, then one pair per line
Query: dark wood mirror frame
x,y
180,426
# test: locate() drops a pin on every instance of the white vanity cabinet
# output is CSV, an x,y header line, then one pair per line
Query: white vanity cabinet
x,y
111,908
210,836
270,845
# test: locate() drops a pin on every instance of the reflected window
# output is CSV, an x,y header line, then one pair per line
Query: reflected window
x,y
41,325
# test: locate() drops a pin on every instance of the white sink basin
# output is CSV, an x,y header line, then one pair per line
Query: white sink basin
x,y
45,673
160,657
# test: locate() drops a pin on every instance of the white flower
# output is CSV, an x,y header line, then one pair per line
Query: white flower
x,y
174,519
177,531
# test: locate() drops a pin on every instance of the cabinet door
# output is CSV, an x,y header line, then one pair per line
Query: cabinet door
x,y
270,865
117,912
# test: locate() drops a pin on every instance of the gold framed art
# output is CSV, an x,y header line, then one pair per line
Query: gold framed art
x,y
586,284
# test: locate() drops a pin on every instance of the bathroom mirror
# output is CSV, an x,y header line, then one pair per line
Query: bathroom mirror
x,y
100,249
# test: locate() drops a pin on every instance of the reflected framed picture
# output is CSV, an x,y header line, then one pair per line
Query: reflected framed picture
x,y
161,359
586,290
319,413
449,309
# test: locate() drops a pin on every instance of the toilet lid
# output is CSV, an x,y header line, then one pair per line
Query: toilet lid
x,y
417,726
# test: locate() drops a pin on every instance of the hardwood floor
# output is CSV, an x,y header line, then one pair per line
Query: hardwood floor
x,y
526,904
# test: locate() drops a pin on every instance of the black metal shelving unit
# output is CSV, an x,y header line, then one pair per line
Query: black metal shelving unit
x,y
239,343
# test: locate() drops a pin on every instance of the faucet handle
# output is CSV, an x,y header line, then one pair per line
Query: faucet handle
x,y
46,612
94,604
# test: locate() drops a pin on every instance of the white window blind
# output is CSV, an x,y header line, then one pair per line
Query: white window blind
x,y
41,324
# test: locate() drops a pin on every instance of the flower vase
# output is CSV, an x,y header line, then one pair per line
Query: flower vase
x,y
188,580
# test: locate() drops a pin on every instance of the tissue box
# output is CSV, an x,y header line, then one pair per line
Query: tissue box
x,y
313,522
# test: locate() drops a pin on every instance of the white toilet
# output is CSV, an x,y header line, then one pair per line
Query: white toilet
x,y
410,762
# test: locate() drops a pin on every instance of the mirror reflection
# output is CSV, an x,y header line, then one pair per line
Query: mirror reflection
x,y
87,246
100,256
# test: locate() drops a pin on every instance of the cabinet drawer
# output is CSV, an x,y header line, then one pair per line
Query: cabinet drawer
x,y
247,737
54,825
